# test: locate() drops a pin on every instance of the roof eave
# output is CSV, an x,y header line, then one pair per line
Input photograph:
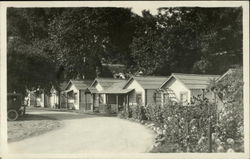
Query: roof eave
x,y
173,75
68,85
166,80
127,82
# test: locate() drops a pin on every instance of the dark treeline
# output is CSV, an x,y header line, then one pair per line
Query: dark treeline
x,y
50,45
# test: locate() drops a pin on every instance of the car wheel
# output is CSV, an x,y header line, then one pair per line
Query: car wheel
x,y
12,115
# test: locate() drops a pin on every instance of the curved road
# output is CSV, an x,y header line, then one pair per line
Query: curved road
x,y
87,133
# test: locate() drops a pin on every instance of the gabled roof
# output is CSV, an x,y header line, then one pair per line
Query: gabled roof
x,y
229,71
193,81
62,86
147,82
59,86
91,90
106,82
117,88
79,84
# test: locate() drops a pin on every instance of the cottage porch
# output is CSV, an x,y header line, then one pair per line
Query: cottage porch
x,y
107,101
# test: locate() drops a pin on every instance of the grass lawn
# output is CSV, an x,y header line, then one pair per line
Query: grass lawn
x,y
30,125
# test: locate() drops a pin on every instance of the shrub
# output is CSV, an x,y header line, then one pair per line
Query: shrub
x,y
154,113
138,112
230,125
186,127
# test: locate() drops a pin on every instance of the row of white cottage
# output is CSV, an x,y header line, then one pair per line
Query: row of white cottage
x,y
109,94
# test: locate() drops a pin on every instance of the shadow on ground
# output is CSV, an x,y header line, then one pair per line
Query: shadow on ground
x,y
34,117
59,115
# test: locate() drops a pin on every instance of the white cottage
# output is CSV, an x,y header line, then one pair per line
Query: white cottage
x,y
36,98
55,98
144,88
100,95
181,87
75,94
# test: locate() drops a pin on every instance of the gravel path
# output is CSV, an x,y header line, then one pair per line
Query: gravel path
x,y
87,133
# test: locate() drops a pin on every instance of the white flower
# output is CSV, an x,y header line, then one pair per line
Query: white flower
x,y
192,121
230,141
159,131
165,126
193,128
220,149
169,118
157,144
231,118
164,131
201,140
217,141
214,136
230,150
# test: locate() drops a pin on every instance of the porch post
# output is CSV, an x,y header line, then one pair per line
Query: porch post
x,y
86,102
67,100
117,104
92,103
124,103
127,104
106,95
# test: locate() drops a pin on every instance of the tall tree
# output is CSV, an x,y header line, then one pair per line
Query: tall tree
x,y
28,64
190,40
83,37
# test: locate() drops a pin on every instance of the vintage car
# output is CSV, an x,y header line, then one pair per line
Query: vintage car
x,y
15,106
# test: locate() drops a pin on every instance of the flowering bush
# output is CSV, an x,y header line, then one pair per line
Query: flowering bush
x,y
154,113
188,126
200,127
138,112
230,126
185,126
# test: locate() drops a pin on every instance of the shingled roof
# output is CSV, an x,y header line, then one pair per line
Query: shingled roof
x,y
148,82
106,82
116,88
79,84
193,81
229,71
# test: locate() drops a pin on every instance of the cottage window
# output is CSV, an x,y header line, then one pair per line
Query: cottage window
x,y
165,98
184,98
101,99
139,99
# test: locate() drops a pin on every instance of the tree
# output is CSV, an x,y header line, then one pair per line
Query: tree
x,y
83,37
189,40
147,50
28,64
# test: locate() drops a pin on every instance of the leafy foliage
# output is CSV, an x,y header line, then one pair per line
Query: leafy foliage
x,y
82,38
28,63
73,42
188,40
186,128
231,117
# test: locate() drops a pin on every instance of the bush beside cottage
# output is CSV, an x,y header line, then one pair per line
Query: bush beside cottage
x,y
200,127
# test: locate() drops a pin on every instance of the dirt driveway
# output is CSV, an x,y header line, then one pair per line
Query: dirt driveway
x,y
87,133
